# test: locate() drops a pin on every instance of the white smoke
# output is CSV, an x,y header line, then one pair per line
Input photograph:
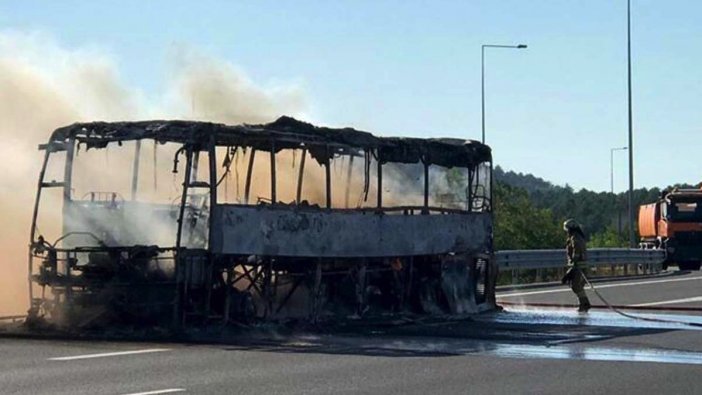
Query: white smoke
x,y
44,85
206,88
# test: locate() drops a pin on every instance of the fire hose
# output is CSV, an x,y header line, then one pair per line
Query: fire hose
x,y
635,317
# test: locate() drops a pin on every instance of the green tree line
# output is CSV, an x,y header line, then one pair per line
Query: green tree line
x,y
529,212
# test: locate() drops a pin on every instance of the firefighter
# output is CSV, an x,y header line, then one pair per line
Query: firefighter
x,y
577,257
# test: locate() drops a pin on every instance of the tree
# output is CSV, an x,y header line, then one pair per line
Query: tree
x,y
521,225
596,211
609,238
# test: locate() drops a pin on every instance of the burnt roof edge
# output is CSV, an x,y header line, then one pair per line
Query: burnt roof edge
x,y
288,132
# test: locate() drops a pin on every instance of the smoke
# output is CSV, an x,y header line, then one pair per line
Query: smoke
x,y
44,86
217,91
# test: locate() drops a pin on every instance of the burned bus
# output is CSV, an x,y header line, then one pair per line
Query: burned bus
x,y
191,223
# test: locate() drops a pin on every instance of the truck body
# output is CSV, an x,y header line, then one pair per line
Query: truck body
x,y
674,224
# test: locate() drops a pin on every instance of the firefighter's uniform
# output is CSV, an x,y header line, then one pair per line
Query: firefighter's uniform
x,y
577,262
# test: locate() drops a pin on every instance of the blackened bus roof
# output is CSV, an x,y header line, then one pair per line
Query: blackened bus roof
x,y
284,133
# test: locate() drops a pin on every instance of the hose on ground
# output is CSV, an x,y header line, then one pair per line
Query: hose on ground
x,y
635,317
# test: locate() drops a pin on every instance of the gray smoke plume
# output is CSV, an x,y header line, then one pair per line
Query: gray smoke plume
x,y
44,86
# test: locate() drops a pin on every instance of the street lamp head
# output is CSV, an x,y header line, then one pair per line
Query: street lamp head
x,y
482,58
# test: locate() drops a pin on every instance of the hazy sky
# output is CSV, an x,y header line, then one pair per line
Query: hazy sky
x,y
413,68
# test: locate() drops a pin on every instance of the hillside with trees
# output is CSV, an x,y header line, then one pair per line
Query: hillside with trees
x,y
519,224
529,211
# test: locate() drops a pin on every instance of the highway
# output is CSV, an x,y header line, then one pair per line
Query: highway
x,y
524,349
675,289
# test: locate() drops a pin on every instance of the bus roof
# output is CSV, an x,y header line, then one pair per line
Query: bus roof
x,y
323,143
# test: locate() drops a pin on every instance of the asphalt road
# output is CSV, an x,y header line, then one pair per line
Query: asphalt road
x,y
676,289
521,350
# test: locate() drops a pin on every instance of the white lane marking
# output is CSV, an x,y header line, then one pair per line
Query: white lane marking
x,y
109,354
166,391
548,291
673,301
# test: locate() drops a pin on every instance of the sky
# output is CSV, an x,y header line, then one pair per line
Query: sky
x,y
412,68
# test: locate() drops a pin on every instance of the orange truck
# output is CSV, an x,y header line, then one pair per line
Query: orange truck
x,y
674,223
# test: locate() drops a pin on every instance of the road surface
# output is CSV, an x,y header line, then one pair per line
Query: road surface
x,y
675,289
522,350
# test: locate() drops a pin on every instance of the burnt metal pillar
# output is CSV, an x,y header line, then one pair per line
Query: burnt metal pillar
x,y
195,165
67,183
317,290
35,213
155,162
327,176
361,288
184,195
348,182
135,169
380,181
249,170
300,176
273,175
470,189
425,210
40,184
178,316
68,172
212,154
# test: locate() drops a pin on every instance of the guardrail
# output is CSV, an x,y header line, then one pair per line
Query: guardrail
x,y
548,259
605,261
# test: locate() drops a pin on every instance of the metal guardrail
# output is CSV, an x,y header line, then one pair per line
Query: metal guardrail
x,y
551,259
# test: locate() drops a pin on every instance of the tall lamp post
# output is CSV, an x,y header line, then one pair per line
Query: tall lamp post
x,y
482,59
632,238
611,183
611,165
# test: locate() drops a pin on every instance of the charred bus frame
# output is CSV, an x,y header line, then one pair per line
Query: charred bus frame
x,y
247,261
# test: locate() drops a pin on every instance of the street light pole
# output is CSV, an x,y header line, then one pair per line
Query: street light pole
x,y
482,74
632,238
611,165
611,182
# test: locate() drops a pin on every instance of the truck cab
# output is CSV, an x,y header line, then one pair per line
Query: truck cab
x,y
674,223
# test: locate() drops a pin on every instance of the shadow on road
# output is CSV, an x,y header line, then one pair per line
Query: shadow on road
x,y
494,334
553,334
